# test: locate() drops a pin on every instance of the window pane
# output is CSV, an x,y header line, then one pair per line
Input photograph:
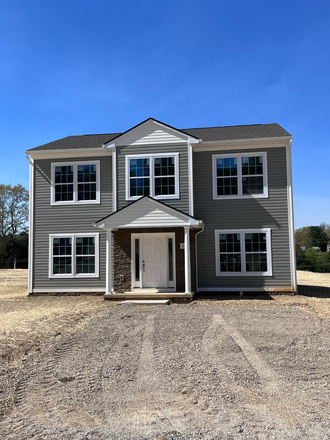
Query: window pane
x,y
86,173
170,259
63,193
139,187
227,167
164,186
230,242
252,165
61,265
255,242
85,265
137,259
230,262
139,167
62,246
164,166
85,245
87,191
64,174
253,185
256,262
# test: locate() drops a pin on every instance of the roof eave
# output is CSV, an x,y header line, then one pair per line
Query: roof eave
x,y
68,152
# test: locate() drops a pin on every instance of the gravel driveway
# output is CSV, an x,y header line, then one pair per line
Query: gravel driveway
x,y
186,371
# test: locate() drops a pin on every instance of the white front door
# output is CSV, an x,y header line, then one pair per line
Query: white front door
x,y
153,260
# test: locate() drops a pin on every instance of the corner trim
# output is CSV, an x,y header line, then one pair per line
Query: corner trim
x,y
291,218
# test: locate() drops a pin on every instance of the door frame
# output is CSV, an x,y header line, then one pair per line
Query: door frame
x,y
138,284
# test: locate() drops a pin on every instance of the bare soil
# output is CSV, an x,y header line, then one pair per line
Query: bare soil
x,y
255,367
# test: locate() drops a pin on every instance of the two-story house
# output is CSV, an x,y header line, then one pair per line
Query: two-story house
x,y
163,211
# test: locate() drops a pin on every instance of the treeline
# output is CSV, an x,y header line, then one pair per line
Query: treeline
x,y
311,248
14,237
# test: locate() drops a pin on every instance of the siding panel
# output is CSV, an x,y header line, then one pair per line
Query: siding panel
x,y
67,219
251,213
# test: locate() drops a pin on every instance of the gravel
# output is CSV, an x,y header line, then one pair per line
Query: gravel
x,y
202,370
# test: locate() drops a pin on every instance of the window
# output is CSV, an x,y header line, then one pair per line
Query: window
x,y
155,175
73,255
243,252
240,175
75,182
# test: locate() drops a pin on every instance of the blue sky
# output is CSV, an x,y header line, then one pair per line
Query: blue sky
x,y
79,67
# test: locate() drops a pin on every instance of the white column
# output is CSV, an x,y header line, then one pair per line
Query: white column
x,y
109,264
187,264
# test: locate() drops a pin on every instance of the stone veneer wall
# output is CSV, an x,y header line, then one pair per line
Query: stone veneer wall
x,y
122,257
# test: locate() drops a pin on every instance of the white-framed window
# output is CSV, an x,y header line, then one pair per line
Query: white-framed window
x,y
154,175
75,182
239,175
243,252
73,255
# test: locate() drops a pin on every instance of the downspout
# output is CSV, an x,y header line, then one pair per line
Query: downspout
x,y
196,264
31,223
291,219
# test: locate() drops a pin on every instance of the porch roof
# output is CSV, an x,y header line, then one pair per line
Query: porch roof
x,y
147,212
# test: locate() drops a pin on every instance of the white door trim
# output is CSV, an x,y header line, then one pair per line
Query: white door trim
x,y
138,284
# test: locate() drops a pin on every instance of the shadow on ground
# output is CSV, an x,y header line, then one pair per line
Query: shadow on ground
x,y
225,296
314,291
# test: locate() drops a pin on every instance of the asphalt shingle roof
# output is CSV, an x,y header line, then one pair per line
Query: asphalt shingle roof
x,y
206,134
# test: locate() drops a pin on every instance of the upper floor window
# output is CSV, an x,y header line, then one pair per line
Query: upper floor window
x,y
75,182
152,175
243,252
240,175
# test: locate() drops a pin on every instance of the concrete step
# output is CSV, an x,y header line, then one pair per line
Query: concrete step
x,y
147,296
148,302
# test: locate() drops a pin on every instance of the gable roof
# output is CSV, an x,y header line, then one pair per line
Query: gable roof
x,y
255,131
147,212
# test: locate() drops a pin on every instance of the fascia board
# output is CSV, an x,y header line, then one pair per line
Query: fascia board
x,y
243,143
74,152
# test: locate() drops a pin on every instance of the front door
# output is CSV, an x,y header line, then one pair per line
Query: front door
x,y
153,260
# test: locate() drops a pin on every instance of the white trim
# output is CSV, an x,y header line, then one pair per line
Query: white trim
x,y
242,252
31,225
114,179
239,157
75,183
191,179
108,288
243,143
187,262
152,177
78,290
291,219
68,153
73,256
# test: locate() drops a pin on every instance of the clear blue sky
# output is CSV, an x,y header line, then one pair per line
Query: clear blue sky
x,y
78,67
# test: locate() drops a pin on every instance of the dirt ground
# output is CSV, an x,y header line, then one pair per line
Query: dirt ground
x,y
80,367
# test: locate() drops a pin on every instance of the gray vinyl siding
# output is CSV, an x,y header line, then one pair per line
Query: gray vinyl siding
x,y
183,202
271,212
50,219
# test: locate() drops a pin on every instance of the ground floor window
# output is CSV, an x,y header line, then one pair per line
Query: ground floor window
x,y
243,252
73,255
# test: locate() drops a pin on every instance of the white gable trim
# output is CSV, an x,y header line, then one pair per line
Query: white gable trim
x,y
147,213
151,132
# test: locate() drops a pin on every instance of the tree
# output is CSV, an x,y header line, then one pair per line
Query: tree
x,y
317,237
14,213
302,237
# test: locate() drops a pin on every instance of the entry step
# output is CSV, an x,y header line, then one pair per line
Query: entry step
x,y
148,302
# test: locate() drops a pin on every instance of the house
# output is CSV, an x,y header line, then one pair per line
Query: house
x,y
163,211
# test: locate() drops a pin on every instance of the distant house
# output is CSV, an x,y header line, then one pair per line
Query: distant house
x,y
160,209
328,247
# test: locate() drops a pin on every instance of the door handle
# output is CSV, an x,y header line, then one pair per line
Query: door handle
x,y
143,266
